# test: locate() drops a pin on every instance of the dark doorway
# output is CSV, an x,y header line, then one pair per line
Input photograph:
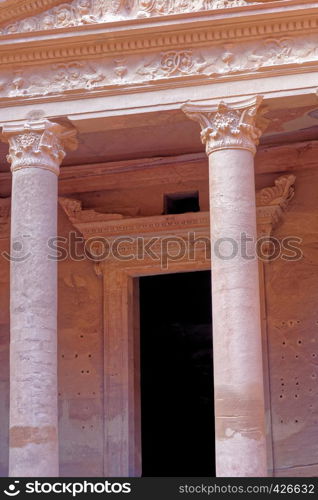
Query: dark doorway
x,y
177,375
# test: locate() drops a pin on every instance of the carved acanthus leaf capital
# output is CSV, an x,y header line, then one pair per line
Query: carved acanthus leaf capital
x,y
237,125
38,143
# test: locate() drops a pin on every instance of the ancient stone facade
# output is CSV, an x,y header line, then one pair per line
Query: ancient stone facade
x,y
108,108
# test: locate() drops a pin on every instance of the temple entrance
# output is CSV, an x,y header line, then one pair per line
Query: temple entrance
x,y
177,417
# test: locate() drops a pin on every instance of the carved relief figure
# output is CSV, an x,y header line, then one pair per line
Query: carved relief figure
x,y
61,77
64,16
148,8
48,22
76,75
121,69
29,24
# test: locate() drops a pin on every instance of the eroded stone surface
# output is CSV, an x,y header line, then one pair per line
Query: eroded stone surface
x,y
80,365
291,292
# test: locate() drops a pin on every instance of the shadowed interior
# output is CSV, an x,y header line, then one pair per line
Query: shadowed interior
x,y
177,375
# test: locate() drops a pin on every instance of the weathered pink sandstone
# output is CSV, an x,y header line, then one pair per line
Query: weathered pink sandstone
x,y
36,150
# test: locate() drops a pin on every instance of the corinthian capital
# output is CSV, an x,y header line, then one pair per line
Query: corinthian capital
x,y
237,125
38,143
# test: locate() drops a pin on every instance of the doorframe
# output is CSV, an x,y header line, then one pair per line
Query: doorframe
x,y
122,412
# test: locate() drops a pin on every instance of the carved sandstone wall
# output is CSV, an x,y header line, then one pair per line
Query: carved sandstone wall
x,y
80,364
291,295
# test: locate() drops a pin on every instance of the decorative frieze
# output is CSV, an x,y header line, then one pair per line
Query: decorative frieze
x,y
38,143
236,125
147,8
55,79
81,12
214,62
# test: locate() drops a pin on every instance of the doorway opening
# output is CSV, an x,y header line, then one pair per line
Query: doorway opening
x,y
177,412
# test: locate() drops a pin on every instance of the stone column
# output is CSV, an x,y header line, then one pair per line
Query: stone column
x,y
231,135
37,149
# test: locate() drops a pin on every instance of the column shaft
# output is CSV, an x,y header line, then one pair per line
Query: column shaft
x,y
231,135
237,348
36,152
33,350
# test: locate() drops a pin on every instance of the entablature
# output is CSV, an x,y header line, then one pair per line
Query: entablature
x,y
204,47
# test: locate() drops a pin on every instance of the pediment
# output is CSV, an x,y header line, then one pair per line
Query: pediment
x,y
11,10
83,12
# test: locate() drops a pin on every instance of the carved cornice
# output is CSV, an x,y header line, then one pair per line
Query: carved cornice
x,y
93,224
78,216
272,202
229,126
38,143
